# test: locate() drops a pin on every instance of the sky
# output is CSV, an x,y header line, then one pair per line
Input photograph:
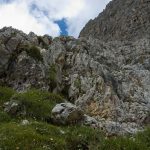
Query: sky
x,y
53,17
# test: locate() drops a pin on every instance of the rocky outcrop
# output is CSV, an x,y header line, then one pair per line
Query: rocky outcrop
x,y
121,20
105,73
109,81
21,59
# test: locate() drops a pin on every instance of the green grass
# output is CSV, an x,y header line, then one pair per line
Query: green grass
x,y
83,138
40,135
144,137
43,136
5,94
121,143
14,136
4,117
37,104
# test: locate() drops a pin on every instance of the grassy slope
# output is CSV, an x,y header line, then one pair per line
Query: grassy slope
x,y
40,135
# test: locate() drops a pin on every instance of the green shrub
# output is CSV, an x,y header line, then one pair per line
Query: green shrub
x,y
41,41
32,51
4,117
13,34
5,94
52,77
35,53
38,104
77,83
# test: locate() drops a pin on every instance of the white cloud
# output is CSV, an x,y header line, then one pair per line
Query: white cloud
x,y
19,14
90,10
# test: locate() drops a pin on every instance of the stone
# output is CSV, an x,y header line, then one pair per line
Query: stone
x,y
12,107
66,113
90,121
25,122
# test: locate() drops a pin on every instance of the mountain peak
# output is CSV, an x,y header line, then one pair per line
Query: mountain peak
x,y
121,20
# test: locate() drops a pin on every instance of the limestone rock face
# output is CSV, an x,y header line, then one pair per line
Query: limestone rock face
x,y
21,65
121,20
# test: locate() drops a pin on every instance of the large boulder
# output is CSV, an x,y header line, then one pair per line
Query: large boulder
x,y
66,113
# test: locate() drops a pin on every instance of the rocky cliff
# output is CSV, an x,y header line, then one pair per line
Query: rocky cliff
x,y
121,20
105,72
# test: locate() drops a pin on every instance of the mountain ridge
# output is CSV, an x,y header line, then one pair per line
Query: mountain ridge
x,y
121,20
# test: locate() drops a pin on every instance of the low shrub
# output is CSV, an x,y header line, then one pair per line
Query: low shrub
x,y
32,50
41,41
52,77
77,83
35,53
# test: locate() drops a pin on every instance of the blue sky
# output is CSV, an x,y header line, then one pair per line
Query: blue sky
x,y
63,26
53,17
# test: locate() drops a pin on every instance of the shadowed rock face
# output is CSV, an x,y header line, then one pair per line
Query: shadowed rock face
x,y
121,20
